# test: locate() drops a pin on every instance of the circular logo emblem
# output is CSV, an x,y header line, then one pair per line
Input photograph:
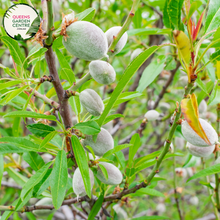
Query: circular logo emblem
x,y
21,21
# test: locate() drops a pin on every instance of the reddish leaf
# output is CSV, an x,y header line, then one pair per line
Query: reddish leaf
x,y
198,26
189,108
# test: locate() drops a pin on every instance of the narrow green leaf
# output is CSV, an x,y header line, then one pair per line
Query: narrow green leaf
x,y
58,179
91,151
6,148
30,114
6,85
1,168
43,184
76,105
148,191
148,31
215,95
66,71
25,200
116,149
191,161
16,126
153,217
88,127
212,19
40,129
12,95
96,207
17,177
129,72
206,172
81,160
112,117
14,49
150,73
104,171
34,160
136,143
21,143
48,138
86,15
193,7
35,179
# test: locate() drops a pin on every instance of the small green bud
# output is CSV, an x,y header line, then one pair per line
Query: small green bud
x,y
103,143
78,184
86,41
114,174
111,33
91,101
102,72
43,212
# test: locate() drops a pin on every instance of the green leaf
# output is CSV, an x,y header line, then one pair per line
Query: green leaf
x,y
104,171
148,191
86,15
190,161
1,168
91,151
25,200
6,85
75,104
35,179
172,14
112,117
43,184
88,127
96,207
116,149
66,71
34,160
40,129
150,73
212,19
129,72
136,143
81,160
215,95
12,95
6,148
20,142
153,217
15,50
48,138
30,114
17,177
148,31
58,179
206,172
215,56
193,7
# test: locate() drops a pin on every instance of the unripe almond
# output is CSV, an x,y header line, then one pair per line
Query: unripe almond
x,y
136,53
103,143
102,72
194,200
203,107
200,151
43,212
114,175
86,41
91,101
193,138
78,184
111,33
152,115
